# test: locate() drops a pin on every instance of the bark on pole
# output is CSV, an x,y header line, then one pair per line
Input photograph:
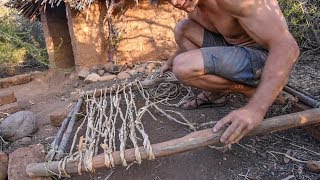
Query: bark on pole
x,y
189,142
301,97
66,135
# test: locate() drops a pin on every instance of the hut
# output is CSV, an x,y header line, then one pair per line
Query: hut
x,y
89,32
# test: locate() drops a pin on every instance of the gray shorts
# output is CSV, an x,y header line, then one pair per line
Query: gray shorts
x,y
236,63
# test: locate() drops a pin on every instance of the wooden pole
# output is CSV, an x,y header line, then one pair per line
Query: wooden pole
x,y
301,97
55,143
189,142
147,84
66,135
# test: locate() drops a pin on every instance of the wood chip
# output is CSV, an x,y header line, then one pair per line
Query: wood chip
x,y
313,166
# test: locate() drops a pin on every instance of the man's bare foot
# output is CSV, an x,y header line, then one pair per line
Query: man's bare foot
x,y
206,99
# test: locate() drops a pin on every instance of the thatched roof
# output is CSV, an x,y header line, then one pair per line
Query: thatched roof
x,y
31,8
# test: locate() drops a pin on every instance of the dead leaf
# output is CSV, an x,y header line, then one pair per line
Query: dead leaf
x,y
287,160
300,170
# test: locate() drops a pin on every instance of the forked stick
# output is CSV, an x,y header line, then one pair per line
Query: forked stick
x,y
189,142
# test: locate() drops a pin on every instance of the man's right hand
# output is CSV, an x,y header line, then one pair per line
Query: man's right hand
x,y
164,68
167,66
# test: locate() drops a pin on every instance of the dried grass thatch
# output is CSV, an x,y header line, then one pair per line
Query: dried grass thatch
x,y
31,8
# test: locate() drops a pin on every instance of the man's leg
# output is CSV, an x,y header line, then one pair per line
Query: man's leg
x,y
188,67
189,36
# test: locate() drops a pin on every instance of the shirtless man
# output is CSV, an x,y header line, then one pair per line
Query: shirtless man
x,y
223,47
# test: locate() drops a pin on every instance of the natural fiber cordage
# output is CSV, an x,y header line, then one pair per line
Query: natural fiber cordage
x,y
114,121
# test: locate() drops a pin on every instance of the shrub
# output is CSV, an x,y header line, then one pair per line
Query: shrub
x,y
303,17
21,41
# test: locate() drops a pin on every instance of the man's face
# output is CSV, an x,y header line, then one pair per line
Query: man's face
x,y
186,5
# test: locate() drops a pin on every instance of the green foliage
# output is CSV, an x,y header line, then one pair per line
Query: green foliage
x,y
20,40
303,17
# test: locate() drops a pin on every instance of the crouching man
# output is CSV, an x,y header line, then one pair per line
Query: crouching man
x,y
233,46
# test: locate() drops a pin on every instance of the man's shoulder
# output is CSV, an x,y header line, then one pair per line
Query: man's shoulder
x,y
238,7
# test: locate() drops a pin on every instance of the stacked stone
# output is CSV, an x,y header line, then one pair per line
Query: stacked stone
x,y
110,71
8,103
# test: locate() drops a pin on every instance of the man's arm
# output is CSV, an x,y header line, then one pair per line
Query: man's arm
x,y
265,23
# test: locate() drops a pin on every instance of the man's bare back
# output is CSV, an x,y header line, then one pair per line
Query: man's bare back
x,y
244,25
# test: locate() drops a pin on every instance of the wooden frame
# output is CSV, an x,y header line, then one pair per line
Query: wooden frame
x,y
189,142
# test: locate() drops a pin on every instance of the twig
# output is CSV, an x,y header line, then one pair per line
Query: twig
x,y
253,151
318,154
5,142
245,176
273,155
289,177
109,175
288,156
200,125
287,139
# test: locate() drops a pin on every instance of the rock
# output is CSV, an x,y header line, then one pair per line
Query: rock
x,y
83,73
9,109
148,72
94,69
120,68
76,84
151,66
136,67
109,67
101,72
16,80
4,159
75,96
7,97
21,158
123,75
144,65
99,69
126,70
141,70
108,77
25,141
132,72
58,116
18,125
93,77
129,65
313,166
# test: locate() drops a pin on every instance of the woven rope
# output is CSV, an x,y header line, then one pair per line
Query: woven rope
x,y
105,112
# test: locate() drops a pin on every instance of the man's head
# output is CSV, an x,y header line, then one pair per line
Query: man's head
x,y
186,5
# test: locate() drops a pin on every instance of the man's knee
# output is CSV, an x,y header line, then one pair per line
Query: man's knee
x,y
181,69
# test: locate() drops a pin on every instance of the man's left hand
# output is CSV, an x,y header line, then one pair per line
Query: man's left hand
x,y
240,121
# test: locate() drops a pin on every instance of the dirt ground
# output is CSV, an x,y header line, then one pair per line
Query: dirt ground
x,y
306,75
252,158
